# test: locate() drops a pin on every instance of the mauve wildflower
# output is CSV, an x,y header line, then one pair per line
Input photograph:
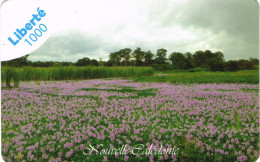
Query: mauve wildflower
x,y
60,154
202,149
112,136
126,158
202,110
230,146
128,141
112,146
166,156
5,150
151,158
105,159
82,146
249,150
116,154
248,143
121,130
69,153
174,157
242,158
45,156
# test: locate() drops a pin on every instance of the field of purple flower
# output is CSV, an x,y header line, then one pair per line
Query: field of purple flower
x,y
60,121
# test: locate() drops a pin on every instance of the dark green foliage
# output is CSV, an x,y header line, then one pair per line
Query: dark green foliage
x,y
83,62
178,60
42,64
202,58
94,62
245,65
188,60
161,56
18,62
231,65
255,61
163,67
138,56
126,54
148,58
115,58
215,64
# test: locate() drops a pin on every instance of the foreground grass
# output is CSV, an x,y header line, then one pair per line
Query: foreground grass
x,y
245,76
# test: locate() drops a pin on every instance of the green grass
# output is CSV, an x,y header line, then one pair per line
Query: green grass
x,y
139,74
245,76
9,74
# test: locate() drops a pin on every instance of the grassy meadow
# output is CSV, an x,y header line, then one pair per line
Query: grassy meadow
x,y
139,74
243,76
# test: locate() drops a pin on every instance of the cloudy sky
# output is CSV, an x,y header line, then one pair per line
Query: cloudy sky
x,y
95,29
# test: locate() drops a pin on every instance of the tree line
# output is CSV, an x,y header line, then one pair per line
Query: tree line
x,y
213,61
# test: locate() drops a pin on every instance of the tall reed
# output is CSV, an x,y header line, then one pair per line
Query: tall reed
x,y
69,73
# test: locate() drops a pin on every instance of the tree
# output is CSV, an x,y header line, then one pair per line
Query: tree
x,y
115,58
94,62
148,58
83,62
219,55
161,56
199,59
126,55
18,62
138,56
101,62
188,60
202,59
255,61
216,64
245,65
178,60
231,65
66,63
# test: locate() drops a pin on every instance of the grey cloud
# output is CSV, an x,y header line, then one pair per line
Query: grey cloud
x,y
238,18
230,26
68,47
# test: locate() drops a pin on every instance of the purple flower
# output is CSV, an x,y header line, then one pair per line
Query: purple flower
x,y
126,158
105,159
69,153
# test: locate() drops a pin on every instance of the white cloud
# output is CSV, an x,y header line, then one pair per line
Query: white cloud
x,y
105,26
